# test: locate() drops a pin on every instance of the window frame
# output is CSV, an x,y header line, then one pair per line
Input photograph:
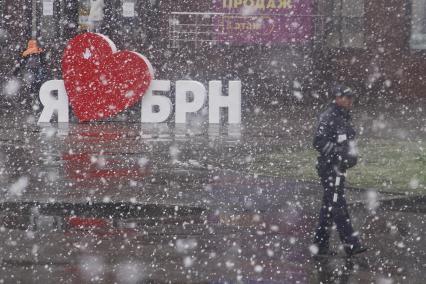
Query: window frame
x,y
338,23
416,48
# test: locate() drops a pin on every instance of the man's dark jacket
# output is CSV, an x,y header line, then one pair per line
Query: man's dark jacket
x,y
335,141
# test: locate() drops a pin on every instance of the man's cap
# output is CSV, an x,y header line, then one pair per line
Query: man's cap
x,y
342,91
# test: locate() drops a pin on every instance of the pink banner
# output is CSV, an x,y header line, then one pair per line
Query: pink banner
x,y
263,21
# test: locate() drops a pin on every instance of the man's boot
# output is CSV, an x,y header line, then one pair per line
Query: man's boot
x,y
353,250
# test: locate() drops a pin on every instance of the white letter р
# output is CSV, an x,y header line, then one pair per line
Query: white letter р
x,y
183,106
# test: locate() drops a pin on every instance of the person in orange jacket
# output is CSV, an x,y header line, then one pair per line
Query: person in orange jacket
x,y
31,67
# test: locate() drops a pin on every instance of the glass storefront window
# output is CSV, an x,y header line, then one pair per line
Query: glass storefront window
x,y
90,15
345,22
83,15
418,25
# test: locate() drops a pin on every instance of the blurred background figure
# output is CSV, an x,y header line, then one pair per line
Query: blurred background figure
x,y
96,15
31,70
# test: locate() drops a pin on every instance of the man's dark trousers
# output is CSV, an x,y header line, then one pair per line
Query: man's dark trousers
x,y
334,209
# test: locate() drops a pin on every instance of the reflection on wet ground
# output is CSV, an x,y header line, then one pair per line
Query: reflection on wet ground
x,y
131,203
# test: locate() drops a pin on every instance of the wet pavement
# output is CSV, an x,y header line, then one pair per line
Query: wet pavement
x,y
123,202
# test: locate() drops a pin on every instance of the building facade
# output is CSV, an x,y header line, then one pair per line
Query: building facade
x,y
279,48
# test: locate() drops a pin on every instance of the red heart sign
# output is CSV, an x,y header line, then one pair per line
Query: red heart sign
x,y
101,82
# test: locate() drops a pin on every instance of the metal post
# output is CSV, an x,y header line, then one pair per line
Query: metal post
x,y
62,19
2,13
34,19
197,30
341,24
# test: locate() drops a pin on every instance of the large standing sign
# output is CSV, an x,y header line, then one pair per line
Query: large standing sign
x,y
264,21
100,82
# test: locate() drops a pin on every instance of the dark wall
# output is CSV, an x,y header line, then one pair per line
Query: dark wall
x,y
15,32
386,65
268,72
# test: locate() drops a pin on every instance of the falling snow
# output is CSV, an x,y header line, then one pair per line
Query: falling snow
x,y
120,201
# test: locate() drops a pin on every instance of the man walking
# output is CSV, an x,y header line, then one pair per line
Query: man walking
x,y
335,142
